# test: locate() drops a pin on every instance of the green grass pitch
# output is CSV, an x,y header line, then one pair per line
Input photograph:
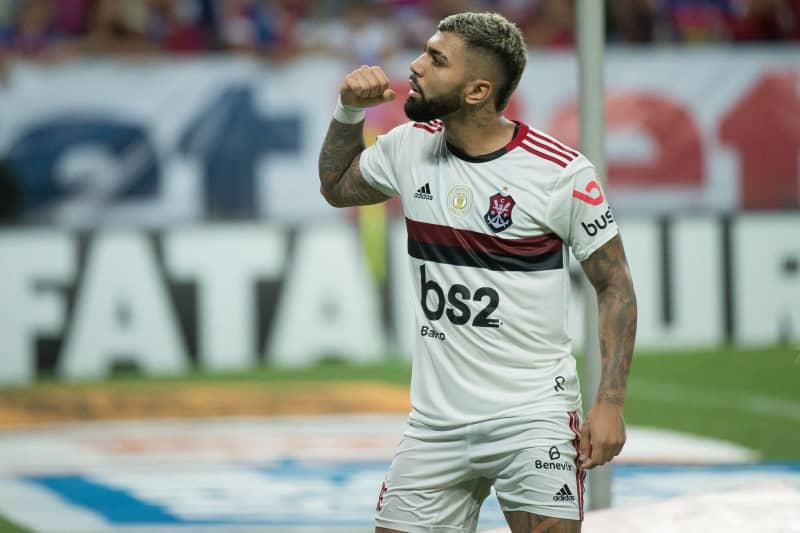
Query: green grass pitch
x,y
747,396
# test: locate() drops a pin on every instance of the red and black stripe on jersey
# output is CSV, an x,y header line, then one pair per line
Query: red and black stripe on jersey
x,y
547,148
431,127
532,141
443,244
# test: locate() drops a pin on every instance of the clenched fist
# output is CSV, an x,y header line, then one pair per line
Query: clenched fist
x,y
366,87
602,436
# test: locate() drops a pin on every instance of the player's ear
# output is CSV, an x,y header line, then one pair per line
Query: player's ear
x,y
478,92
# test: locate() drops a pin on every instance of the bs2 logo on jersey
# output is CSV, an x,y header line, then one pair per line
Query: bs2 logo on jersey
x,y
458,312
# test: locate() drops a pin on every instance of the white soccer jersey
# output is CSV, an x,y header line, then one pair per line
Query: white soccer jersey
x,y
487,245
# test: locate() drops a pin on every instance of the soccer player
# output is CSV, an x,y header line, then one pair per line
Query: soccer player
x,y
492,207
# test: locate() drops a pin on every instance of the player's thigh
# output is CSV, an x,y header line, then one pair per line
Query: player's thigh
x,y
523,522
542,477
449,508
430,487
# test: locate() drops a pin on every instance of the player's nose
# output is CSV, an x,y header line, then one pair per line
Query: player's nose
x,y
416,66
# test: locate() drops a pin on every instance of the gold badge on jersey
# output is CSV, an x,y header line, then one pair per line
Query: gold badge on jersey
x,y
459,200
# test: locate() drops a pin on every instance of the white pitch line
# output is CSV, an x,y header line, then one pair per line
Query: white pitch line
x,y
688,395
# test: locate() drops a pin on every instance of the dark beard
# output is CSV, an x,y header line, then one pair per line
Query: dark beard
x,y
427,109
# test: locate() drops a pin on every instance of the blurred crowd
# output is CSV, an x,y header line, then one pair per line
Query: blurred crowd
x,y
363,31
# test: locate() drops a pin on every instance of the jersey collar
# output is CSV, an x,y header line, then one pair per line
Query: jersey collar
x,y
520,131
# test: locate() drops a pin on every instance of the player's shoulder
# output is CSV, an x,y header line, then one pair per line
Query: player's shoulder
x,y
432,127
416,133
423,129
411,139
548,151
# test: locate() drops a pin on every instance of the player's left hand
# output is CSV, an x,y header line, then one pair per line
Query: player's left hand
x,y
602,435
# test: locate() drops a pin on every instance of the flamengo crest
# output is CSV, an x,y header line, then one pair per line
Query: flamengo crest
x,y
499,214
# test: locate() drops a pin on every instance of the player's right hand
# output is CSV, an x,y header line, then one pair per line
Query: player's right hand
x,y
366,87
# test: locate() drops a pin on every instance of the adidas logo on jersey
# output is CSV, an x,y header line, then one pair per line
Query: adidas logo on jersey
x,y
424,192
564,495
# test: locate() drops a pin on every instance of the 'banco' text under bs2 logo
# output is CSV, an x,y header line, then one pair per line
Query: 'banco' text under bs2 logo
x,y
597,224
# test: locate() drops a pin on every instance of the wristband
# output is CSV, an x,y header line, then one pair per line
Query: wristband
x,y
348,114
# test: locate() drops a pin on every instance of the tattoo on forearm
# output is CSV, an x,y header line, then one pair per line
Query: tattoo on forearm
x,y
607,269
342,144
339,172
611,397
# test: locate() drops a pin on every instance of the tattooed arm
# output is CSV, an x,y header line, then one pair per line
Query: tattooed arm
x,y
341,181
607,270
603,433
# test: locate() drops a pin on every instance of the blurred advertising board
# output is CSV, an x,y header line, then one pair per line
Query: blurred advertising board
x,y
164,141
233,296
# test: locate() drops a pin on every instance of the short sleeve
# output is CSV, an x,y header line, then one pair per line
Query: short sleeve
x,y
579,212
379,162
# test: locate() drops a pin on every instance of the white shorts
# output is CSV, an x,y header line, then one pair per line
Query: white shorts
x,y
439,477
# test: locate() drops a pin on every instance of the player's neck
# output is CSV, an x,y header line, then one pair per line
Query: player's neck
x,y
477,135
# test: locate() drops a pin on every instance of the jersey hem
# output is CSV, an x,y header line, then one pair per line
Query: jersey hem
x,y
595,246
518,412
